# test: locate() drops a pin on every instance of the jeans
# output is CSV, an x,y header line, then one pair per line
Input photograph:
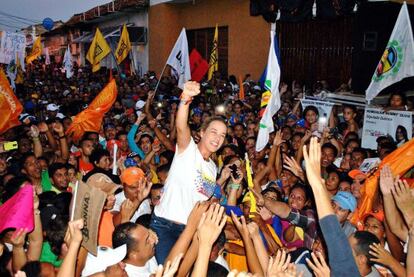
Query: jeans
x,y
168,233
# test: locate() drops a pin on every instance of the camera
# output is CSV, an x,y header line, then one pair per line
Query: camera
x,y
234,172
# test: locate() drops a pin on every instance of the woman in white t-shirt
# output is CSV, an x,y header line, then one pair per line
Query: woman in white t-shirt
x,y
192,176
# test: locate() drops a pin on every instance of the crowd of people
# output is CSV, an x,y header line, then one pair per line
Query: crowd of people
x,y
180,201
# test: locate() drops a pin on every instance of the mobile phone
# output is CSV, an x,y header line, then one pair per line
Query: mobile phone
x,y
10,145
233,168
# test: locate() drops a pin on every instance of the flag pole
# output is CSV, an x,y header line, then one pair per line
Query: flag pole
x,y
159,80
116,63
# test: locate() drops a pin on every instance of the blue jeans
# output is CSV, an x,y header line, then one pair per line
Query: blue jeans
x,y
168,233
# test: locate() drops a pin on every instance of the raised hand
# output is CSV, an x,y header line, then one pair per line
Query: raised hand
x,y
211,225
292,165
140,118
75,231
170,268
241,225
386,180
318,265
191,88
404,197
258,196
277,141
152,123
279,264
34,131
380,255
18,237
313,163
58,128
144,188
253,229
128,209
197,212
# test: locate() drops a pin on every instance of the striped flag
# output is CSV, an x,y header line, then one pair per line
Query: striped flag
x,y
271,98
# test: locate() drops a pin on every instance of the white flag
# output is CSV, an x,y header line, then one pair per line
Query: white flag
x,y
180,61
12,72
272,89
397,61
47,56
67,63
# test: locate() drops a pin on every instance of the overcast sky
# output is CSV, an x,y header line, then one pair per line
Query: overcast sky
x,y
37,10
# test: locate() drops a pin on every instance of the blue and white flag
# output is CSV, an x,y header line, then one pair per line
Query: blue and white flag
x,y
67,63
397,61
271,95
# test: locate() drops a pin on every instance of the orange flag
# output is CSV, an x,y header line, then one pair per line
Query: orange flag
x,y
400,161
90,119
10,106
241,88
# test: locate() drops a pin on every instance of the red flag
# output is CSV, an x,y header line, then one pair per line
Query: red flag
x,y
198,65
17,212
10,106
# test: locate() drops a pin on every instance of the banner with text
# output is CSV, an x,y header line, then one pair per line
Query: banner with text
x,y
324,107
379,123
10,45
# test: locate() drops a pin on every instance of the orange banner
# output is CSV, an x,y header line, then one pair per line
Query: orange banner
x,y
90,119
400,161
9,105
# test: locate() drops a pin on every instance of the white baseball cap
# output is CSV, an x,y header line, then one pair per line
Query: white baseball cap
x,y
52,107
139,105
105,257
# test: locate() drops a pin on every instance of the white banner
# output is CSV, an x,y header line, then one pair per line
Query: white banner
x,y
10,44
379,123
324,107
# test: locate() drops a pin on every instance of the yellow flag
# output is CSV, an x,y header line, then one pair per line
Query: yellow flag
x,y
36,51
213,64
19,75
124,46
97,51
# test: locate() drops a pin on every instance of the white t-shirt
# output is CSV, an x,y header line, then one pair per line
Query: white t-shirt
x,y
142,271
144,207
189,180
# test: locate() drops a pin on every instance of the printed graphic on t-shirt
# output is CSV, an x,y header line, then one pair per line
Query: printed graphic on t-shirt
x,y
205,184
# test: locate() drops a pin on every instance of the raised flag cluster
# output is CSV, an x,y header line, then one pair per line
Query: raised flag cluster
x,y
98,50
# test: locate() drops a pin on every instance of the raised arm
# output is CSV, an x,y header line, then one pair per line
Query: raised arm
x,y
64,148
131,137
36,236
191,89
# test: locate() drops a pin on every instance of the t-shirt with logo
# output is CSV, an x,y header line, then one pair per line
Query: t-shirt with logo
x,y
190,179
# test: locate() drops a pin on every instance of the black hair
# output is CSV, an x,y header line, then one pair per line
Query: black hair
x,y
311,108
351,140
400,94
121,133
144,220
168,154
122,235
55,167
332,147
13,186
97,154
216,270
56,231
157,186
306,190
239,124
274,190
362,151
403,131
84,139
348,106
32,269
5,258
146,135
25,156
364,240
164,168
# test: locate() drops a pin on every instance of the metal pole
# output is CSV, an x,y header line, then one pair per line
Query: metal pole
x,y
162,73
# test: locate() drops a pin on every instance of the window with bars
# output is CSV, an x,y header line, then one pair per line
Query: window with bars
x,y
202,41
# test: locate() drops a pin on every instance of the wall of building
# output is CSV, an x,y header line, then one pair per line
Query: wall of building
x,y
248,36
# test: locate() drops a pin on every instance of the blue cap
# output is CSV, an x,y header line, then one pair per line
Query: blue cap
x,y
301,123
345,200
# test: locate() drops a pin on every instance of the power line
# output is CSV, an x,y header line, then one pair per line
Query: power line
x,y
19,17
15,21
